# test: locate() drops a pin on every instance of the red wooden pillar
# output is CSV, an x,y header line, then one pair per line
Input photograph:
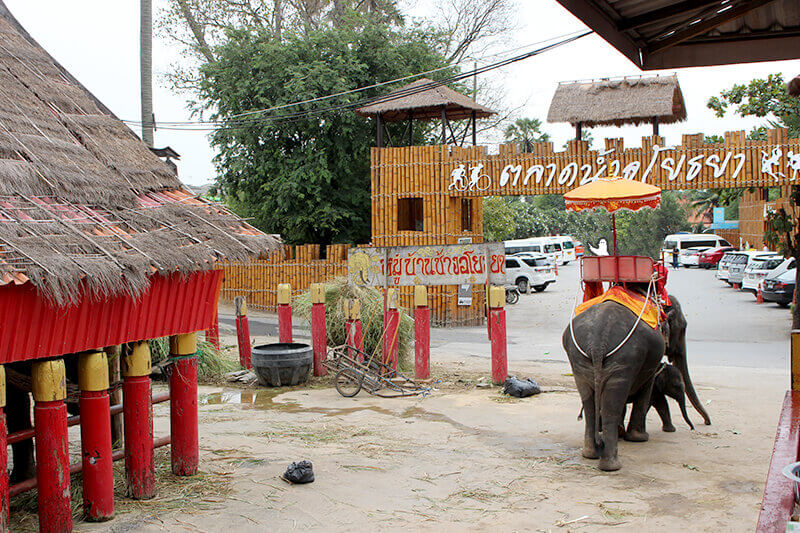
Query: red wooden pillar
x,y
497,326
422,333
137,409
391,330
49,386
242,332
284,313
212,333
353,329
3,455
183,404
319,331
98,474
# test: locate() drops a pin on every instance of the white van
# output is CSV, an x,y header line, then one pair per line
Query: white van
x,y
567,247
678,242
538,245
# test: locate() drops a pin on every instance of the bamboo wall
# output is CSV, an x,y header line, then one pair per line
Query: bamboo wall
x,y
424,172
752,223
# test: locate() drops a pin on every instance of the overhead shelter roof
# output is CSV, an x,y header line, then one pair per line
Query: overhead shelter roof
x,y
423,100
84,204
659,34
617,102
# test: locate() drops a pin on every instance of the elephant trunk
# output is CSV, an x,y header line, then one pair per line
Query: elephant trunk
x,y
597,361
682,365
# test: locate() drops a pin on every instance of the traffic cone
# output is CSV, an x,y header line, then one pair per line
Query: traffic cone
x,y
759,296
735,286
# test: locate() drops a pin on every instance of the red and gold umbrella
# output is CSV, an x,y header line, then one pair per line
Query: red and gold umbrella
x,y
613,194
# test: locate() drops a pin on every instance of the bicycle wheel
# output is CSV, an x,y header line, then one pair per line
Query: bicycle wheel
x,y
348,382
484,182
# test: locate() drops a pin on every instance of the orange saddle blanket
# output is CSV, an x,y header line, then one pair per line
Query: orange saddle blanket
x,y
633,301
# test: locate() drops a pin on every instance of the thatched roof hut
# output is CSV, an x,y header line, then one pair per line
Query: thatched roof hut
x,y
424,99
84,204
617,102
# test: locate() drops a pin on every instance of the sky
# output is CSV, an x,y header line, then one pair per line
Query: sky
x,y
98,42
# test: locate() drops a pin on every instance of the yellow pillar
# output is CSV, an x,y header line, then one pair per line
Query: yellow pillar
x,y
49,380
93,371
136,363
796,359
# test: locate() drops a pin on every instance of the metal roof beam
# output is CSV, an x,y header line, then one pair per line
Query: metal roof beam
x,y
659,15
591,15
706,25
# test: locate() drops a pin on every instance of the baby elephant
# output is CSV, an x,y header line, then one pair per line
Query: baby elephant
x,y
669,382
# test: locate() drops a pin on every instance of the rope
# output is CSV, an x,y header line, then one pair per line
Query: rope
x,y
628,336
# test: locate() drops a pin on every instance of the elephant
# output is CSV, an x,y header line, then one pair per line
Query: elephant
x,y
606,382
616,366
668,382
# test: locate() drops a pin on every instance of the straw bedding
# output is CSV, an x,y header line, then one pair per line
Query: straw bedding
x,y
85,206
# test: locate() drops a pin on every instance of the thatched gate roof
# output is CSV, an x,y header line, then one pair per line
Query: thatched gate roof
x,y
424,104
618,102
83,202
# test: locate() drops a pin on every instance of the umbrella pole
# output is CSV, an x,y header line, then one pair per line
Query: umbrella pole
x,y
614,228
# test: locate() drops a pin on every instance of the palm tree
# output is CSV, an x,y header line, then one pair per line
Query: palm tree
x,y
525,132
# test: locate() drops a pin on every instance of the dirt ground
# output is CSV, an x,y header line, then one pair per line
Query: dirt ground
x,y
467,458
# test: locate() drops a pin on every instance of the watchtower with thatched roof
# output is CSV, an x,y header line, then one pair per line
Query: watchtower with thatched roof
x,y
100,246
425,100
615,102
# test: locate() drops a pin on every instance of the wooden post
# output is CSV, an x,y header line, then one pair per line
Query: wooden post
x,y
49,386
95,406
242,332
796,359
655,126
183,404
497,326
444,125
422,333
379,123
391,329
284,313
354,332
319,332
578,131
137,409
474,128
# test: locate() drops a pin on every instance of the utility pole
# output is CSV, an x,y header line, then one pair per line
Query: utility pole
x,y
146,69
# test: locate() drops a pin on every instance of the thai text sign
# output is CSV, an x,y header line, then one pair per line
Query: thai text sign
x,y
450,264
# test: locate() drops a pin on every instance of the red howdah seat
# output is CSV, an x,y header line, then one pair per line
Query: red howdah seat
x,y
616,268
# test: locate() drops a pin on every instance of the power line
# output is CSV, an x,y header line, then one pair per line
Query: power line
x,y
291,117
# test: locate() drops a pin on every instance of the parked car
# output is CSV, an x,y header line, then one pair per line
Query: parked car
x,y
722,266
691,256
741,260
529,270
780,289
712,256
761,269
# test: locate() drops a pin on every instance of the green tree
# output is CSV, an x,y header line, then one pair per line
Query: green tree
x,y
761,98
499,221
525,132
305,176
782,234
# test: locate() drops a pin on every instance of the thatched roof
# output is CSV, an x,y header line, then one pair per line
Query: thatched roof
x,y
618,102
84,204
423,103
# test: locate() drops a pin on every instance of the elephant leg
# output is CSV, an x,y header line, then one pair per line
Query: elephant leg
x,y
637,425
589,446
661,405
612,404
19,418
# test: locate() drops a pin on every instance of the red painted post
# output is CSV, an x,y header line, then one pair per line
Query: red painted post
x,y
242,332
422,333
284,313
391,330
183,404
3,454
52,445
212,333
353,328
95,406
319,331
497,324
137,412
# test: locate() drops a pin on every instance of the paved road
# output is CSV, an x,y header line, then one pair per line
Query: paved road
x,y
726,327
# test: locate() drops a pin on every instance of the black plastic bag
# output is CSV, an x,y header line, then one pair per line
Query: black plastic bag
x,y
301,472
521,388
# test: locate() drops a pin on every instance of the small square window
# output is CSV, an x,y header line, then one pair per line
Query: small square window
x,y
410,214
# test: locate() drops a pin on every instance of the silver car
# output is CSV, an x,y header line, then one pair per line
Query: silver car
x,y
740,261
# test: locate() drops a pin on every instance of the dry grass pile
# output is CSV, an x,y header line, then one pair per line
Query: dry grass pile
x,y
212,364
337,292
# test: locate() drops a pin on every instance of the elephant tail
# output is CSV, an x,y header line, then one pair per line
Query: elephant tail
x,y
597,361
687,382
